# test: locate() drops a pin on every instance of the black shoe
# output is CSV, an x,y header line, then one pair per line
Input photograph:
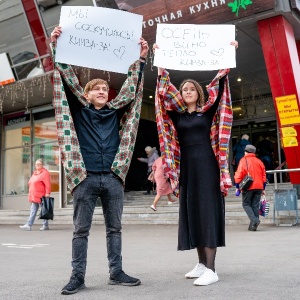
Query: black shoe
x,y
250,225
123,279
75,284
256,225
146,193
253,225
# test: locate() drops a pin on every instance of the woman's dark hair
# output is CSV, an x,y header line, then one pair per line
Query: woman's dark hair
x,y
201,99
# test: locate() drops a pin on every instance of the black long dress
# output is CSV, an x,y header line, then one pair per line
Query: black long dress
x,y
201,204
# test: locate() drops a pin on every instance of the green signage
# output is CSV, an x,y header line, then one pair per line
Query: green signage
x,y
237,4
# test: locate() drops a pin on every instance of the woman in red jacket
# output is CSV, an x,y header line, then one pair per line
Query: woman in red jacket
x,y
39,186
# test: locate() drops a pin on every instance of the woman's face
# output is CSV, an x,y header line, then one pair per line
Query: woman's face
x,y
189,93
38,165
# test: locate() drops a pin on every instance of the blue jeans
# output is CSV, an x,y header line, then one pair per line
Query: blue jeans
x,y
251,200
33,211
109,188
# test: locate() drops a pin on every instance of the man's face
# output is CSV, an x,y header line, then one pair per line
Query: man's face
x,y
98,96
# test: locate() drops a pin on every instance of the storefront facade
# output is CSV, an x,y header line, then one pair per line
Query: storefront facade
x,y
28,122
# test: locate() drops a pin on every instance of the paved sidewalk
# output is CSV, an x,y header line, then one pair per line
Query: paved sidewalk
x,y
254,265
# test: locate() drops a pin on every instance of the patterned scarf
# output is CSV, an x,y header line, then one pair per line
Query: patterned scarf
x,y
169,98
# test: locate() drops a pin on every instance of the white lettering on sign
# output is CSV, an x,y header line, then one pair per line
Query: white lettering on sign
x,y
16,121
193,9
171,16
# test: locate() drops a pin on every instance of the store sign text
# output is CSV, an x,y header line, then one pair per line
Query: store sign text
x,y
193,9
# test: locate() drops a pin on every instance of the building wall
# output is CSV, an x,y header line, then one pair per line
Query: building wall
x,y
154,11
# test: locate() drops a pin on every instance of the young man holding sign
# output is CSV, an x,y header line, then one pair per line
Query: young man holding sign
x,y
96,156
194,135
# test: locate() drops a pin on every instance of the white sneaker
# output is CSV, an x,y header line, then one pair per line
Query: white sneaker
x,y
153,207
208,277
25,227
169,202
196,272
44,228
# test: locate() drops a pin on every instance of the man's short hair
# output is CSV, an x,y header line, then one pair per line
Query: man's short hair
x,y
91,84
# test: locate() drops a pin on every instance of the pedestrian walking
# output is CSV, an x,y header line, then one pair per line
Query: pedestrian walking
x,y
96,158
251,197
39,185
152,155
163,186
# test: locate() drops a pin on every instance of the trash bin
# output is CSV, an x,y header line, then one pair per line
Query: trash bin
x,y
285,200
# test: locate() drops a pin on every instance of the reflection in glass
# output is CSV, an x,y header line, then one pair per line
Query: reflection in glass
x,y
130,4
44,130
24,70
51,15
17,135
49,153
17,171
126,5
46,4
16,38
18,163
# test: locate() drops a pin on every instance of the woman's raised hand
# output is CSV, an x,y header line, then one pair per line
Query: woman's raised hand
x,y
159,69
144,48
155,46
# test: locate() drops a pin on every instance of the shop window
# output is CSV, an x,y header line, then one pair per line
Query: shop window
x,y
44,131
23,145
45,144
49,153
17,171
16,38
50,11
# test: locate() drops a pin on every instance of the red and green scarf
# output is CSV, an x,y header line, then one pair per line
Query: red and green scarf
x,y
169,98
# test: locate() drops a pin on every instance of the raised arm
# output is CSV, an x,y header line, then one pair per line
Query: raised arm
x,y
166,93
159,69
144,50
55,34
132,88
67,75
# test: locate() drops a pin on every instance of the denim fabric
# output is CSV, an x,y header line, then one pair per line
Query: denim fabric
x,y
251,199
109,188
33,211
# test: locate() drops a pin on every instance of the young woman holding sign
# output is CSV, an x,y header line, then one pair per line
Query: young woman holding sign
x,y
194,136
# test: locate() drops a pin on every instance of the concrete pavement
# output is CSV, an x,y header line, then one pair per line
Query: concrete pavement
x,y
254,265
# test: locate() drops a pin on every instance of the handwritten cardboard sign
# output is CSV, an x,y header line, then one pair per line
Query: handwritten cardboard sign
x,y
195,47
99,38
